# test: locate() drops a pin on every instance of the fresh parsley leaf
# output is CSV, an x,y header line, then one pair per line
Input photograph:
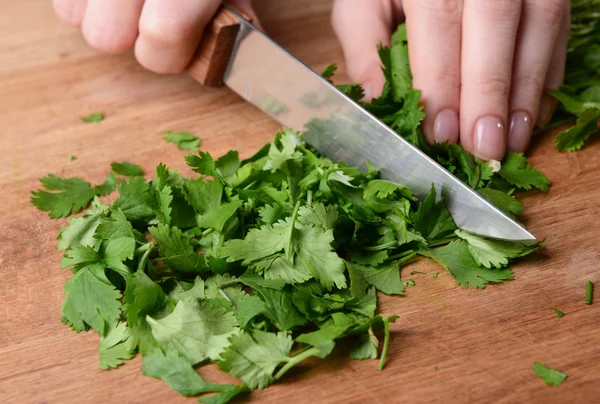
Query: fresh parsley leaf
x,y
127,169
177,250
91,300
432,220
93,118
116,346
519,173
73,194
183,140
551,377
494,253
175,370
458,261
197,330
254,358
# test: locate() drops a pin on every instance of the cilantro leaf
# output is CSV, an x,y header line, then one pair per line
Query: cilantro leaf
x,y
505,202
80,231
142,297
458,261
73,195
385,278
258,243
329,71
135,200
283,148
253,358
91,300
519,173
127,169
319,215
573,138
177,250
559,313
198,331
116,346
551,377
366,347
432,220
93,118
183,140
494,253
177,372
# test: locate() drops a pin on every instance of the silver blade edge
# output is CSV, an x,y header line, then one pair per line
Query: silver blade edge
x,y
266,75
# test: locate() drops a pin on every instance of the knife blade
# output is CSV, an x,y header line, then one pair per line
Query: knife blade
x,y
266,75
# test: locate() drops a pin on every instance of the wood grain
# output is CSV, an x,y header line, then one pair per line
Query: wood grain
x,y
483,343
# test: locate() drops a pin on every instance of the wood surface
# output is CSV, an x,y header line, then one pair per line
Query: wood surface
x,y
482,342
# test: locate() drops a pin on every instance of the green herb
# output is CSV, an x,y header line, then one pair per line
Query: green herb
x,y
589,292
183,140
580,94
435,368
93,118
128,169
559,313
551,377
259,264
69,195
73,158
417,272
435,274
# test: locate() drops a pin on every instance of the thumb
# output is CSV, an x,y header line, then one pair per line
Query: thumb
x,y
361,25
246,7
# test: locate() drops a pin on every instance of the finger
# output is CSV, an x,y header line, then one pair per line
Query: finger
x,y
111,25
540,23
246,7
170,31
556,71
70,11
434,32
361,25
489,33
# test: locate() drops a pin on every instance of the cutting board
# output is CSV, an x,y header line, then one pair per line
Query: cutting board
x,y
449,345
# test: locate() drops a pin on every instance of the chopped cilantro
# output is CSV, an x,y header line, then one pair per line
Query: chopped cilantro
x,y
93,118
435,274
127,169
551,377
589,292
183,140
73,158
559,313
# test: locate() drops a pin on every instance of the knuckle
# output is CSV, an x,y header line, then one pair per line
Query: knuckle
x,y
106,42
494,85
530,86
499,9
448,79
165,32
448,11
553,10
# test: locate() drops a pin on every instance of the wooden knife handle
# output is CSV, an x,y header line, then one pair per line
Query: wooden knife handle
x,y
212,56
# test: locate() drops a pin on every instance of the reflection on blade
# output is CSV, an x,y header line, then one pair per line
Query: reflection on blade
x,y
270,78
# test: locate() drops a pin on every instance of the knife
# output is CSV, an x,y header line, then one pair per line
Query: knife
x,y
234,53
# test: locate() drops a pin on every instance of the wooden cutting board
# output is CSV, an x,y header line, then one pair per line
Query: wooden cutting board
x,y
482,342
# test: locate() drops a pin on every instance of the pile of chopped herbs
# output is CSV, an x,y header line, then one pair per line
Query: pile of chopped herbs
x,y
579,97
259,264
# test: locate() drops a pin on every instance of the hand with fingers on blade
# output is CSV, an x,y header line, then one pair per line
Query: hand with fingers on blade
x,y
484,66
164,34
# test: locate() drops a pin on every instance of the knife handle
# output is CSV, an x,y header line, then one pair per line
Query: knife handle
x,y
210,61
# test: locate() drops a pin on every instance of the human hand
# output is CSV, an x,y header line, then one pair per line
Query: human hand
x,y
483,66
163,33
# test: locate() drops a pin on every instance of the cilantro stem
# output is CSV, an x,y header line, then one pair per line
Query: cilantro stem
x,y
207,232
289,252
589,292
386,342
144,259
441,242
407,258
553,125
385,246
403,254
309,196
294,360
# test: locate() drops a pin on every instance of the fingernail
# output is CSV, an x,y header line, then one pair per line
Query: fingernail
x,y
547,107
519,132
368,92
489,138
445,126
